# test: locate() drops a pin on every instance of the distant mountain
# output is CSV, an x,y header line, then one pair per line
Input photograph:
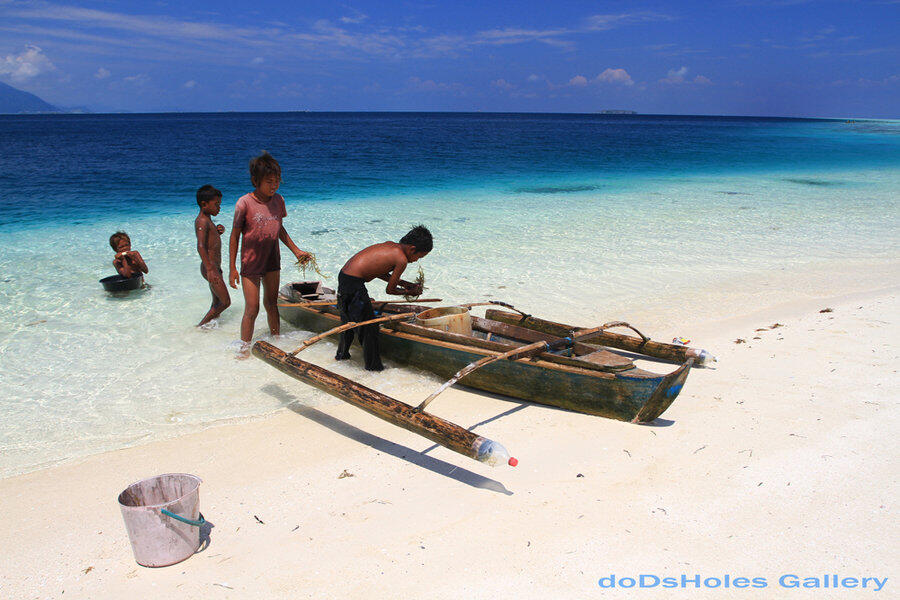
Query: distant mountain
x,y
17,101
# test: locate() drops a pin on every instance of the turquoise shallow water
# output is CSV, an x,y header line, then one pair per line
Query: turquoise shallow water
x,y
660,221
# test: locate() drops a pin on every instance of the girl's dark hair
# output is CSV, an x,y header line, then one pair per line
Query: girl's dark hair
x,y
263,165
114,238
207,193
419,237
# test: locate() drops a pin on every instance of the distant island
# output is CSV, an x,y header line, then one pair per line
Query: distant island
x,y
13,101
616,112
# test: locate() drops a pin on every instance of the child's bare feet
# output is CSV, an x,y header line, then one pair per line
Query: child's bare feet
x,y
241,349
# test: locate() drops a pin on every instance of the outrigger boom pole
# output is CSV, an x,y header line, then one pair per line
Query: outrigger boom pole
x,y
434,428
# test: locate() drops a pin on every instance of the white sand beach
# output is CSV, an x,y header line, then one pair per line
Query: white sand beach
x,y
780,461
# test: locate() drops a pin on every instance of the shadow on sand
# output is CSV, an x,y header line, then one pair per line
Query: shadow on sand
x,y
434,465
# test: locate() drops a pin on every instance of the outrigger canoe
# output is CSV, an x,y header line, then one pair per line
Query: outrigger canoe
x,y
585,377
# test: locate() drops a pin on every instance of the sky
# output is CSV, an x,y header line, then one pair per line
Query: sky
x,y
828,58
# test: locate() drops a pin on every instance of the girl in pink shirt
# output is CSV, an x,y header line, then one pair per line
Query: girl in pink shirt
x,y
257,217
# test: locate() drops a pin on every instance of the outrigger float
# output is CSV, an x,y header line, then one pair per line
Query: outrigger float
x,y
509,353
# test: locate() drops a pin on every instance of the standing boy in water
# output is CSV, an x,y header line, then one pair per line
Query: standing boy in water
x,y
257,217
386,261
128,262
209,247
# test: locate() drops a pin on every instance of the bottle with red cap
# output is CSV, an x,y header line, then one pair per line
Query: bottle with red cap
x,y
493,453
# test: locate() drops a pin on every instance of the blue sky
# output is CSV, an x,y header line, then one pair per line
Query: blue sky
x,y
735,57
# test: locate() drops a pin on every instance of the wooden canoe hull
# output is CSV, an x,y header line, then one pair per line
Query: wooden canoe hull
x,y
635,395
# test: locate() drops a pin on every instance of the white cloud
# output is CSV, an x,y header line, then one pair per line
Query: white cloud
x,y
30,63
102,73
502,84
429,85
863,82
351,36
607,22
139,79
258,60
819,35
619,76
610,76
675,75
679,77
357,17
534,78
578,81
190,84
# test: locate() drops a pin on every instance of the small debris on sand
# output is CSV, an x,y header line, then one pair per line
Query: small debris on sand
x,y
826,310
579,475
345,473
740,341
699,449
258,520
87,570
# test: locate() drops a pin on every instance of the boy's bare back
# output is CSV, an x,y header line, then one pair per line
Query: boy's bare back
x,y
377,260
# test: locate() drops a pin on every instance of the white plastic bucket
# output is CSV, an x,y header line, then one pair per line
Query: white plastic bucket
x,y
455,319
159,539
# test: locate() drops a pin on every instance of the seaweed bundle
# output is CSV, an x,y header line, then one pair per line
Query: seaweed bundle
x,y
420,280
309,262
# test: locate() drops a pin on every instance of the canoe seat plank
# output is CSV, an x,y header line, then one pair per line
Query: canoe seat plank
x,y
607,358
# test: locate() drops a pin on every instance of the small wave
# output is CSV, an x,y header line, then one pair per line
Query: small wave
x,y
561,189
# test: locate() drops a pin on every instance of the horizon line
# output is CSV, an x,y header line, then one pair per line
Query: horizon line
x,y
438,112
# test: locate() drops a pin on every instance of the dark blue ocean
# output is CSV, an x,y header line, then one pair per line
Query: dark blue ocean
x,y
666,222
74,167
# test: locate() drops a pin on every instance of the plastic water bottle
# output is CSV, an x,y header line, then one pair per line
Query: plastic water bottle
x,y
705,359
493,453
701,359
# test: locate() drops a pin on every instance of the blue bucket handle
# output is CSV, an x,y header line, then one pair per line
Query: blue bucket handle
x,y
199,523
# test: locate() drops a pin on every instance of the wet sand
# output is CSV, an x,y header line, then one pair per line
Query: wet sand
x,y
782,460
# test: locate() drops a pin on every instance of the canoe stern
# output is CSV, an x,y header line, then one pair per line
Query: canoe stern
x,y
665,394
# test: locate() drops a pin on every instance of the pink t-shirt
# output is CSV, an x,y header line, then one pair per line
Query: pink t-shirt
x,y
261,224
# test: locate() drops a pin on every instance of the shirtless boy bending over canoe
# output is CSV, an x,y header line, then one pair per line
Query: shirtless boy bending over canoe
x,y
386,261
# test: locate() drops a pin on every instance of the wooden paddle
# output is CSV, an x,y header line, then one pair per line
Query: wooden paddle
x,y
514,354
309,342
